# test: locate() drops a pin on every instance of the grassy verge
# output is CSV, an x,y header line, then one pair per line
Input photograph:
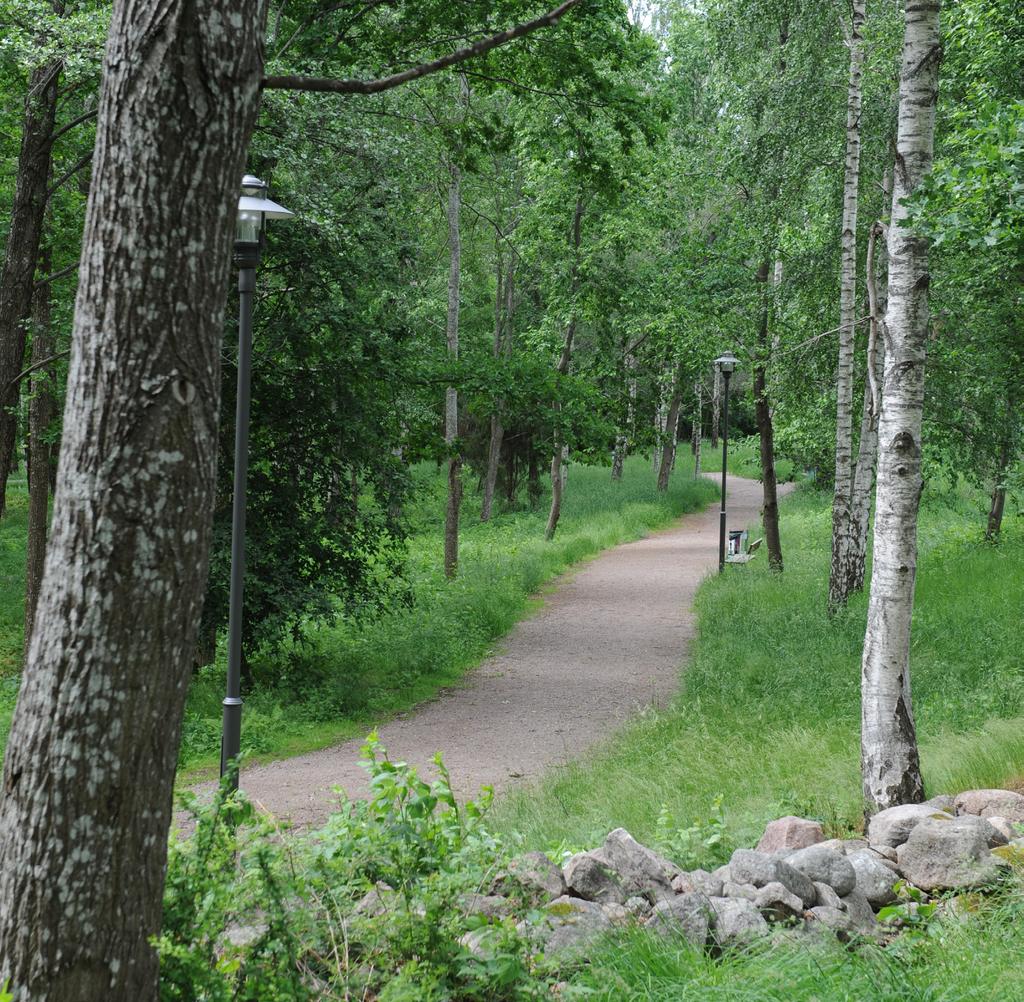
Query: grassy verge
x,y
768,722
342,680
745,460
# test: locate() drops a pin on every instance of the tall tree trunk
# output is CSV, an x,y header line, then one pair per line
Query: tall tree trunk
x,y
843,572
766,433
557,479
668,449
22,252
42,409
504,300
451,400
698,430
624,438
716,407
89,766
995,511
890,767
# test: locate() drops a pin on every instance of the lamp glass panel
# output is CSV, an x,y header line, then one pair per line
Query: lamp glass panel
x,y
250,223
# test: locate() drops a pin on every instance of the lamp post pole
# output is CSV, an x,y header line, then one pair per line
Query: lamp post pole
x,y
725,364
254,208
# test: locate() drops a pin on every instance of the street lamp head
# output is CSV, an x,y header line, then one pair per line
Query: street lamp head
x,y
254,208
726,363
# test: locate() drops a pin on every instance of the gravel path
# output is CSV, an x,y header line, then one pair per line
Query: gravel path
x,y
607,642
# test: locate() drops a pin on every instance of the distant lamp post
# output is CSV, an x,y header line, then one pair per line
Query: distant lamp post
x,y
725,364
254,209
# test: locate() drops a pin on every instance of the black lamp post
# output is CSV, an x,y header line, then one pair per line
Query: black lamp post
x,y
254,208
726,364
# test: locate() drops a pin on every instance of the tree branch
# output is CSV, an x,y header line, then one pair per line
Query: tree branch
x,y
74,122
47,279
32,368
83,161
333,86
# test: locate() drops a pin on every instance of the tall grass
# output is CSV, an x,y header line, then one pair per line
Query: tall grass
x,y
342,679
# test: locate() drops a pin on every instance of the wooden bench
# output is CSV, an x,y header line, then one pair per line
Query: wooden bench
x,y
742,558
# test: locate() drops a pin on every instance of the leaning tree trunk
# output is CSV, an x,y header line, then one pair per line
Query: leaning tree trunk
x,y
668,449
843,567
42,409
23,235
451,398
890,767
766,432
89,767
557,479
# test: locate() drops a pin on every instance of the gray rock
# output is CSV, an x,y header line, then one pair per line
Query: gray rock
x,y
748,867
617,914
853,845
241,935
1006,828
943,802
776,903
858,908
588,877
376,901
640,870
827,897
825,866
475,941
573,925
638,906
737,921
790,833
886,853
832,918
985,828
892,827
533,873
1001,803
697,882
490,905
723,873
835,843
947,854
748,892
875,879
688,915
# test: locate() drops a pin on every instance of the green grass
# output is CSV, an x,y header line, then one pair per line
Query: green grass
x,y
13,536
744,460
342,680
768,719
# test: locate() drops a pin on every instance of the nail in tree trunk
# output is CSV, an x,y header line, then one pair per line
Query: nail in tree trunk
x,y
669,448
698,431
995,511
843,572
503,301
22,250
89,766
766,432
451,401
890,767
716,407
557,480
42,409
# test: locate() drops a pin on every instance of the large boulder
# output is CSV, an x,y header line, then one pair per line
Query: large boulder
x,y
1000,803
826,896
588,876
825,865
533,874
790,833
875,880
947,853
750,867
836,919
737,921
776,903
572,925
697,882
688,915
640,870
859,909
893,826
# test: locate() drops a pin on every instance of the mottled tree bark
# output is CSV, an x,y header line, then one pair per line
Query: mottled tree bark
x,y
562,368
890,766
90,762
668,449
42,409
843,572
994,524
451,400
504,301
22,250
624,438
766,431
698,431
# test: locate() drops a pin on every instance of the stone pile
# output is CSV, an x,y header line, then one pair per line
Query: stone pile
x,y
795,876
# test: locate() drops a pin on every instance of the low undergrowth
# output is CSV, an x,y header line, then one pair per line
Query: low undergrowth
x,y
340,681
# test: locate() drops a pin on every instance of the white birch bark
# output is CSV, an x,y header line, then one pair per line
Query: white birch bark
x,y
842,572
89,766
672,420
890,766
716,407
698,390
451,397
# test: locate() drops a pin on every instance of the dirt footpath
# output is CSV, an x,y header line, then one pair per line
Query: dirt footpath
x,y
609,641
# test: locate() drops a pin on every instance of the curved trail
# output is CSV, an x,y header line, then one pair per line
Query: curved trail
x,y
607,642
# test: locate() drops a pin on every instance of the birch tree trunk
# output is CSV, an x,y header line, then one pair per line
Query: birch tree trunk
x,y
766,432
890,766
624,438
90,762
557,479
716,407
22,250
669,447
451,399
503,300
42,409
698,430
843,573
